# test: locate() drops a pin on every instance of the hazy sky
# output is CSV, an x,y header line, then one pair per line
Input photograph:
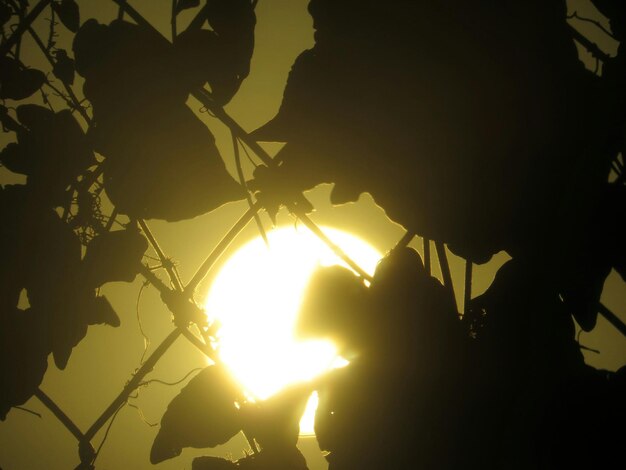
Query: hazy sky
x,y
104,361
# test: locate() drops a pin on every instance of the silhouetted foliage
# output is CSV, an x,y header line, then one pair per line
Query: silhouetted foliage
x,y
69,13
472,123
204,414
18,82
114,256
144,128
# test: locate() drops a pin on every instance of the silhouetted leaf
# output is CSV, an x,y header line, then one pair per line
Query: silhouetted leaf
x,y
64,67
185,5
69,14
171,150
54,148
18,82
221,56
114,256
12,158
5,13
150,137
34,117
102,312
275,422
8,123
24,349
203,414
212,463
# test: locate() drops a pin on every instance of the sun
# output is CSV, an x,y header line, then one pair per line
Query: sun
x,y
256,296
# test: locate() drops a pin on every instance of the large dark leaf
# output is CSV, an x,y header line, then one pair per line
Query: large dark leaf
x,y
358,111
24,349
114,256
12,159
54,150
221,56
164,165
69,14
203,414
162,161
18,82
34,117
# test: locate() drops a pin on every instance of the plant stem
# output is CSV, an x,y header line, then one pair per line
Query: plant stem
x,y
50,30
467,297
427,263
133,383
67,87
174,20
445,269
60,414
165,262
23,26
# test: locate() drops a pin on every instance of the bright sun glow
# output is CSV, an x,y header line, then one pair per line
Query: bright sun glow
x,y
256,297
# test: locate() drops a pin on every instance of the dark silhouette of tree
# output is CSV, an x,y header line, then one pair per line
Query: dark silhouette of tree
x,y
471,123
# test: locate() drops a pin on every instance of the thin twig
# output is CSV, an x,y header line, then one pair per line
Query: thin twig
x,y
170,384
68,88
173,20
60,414
51,30
146,340
23,26
26,410
106,433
